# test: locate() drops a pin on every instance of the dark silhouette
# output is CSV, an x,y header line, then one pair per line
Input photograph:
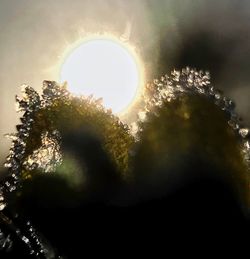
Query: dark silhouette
x,y
109,217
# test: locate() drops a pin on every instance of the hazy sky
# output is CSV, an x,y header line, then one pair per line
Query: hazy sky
x,y
168,34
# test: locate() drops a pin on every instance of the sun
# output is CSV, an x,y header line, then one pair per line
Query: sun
x,y
103,68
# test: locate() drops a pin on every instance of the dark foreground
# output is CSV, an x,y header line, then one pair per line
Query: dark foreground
x,y
202,216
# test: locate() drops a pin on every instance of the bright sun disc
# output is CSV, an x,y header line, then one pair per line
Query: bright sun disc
x,y
105,69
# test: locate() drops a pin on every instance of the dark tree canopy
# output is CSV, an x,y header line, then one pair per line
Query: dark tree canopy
x,y
186,131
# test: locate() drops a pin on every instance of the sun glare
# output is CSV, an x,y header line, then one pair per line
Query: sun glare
x,y
104,68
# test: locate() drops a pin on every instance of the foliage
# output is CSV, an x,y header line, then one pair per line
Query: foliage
x,y
186,128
